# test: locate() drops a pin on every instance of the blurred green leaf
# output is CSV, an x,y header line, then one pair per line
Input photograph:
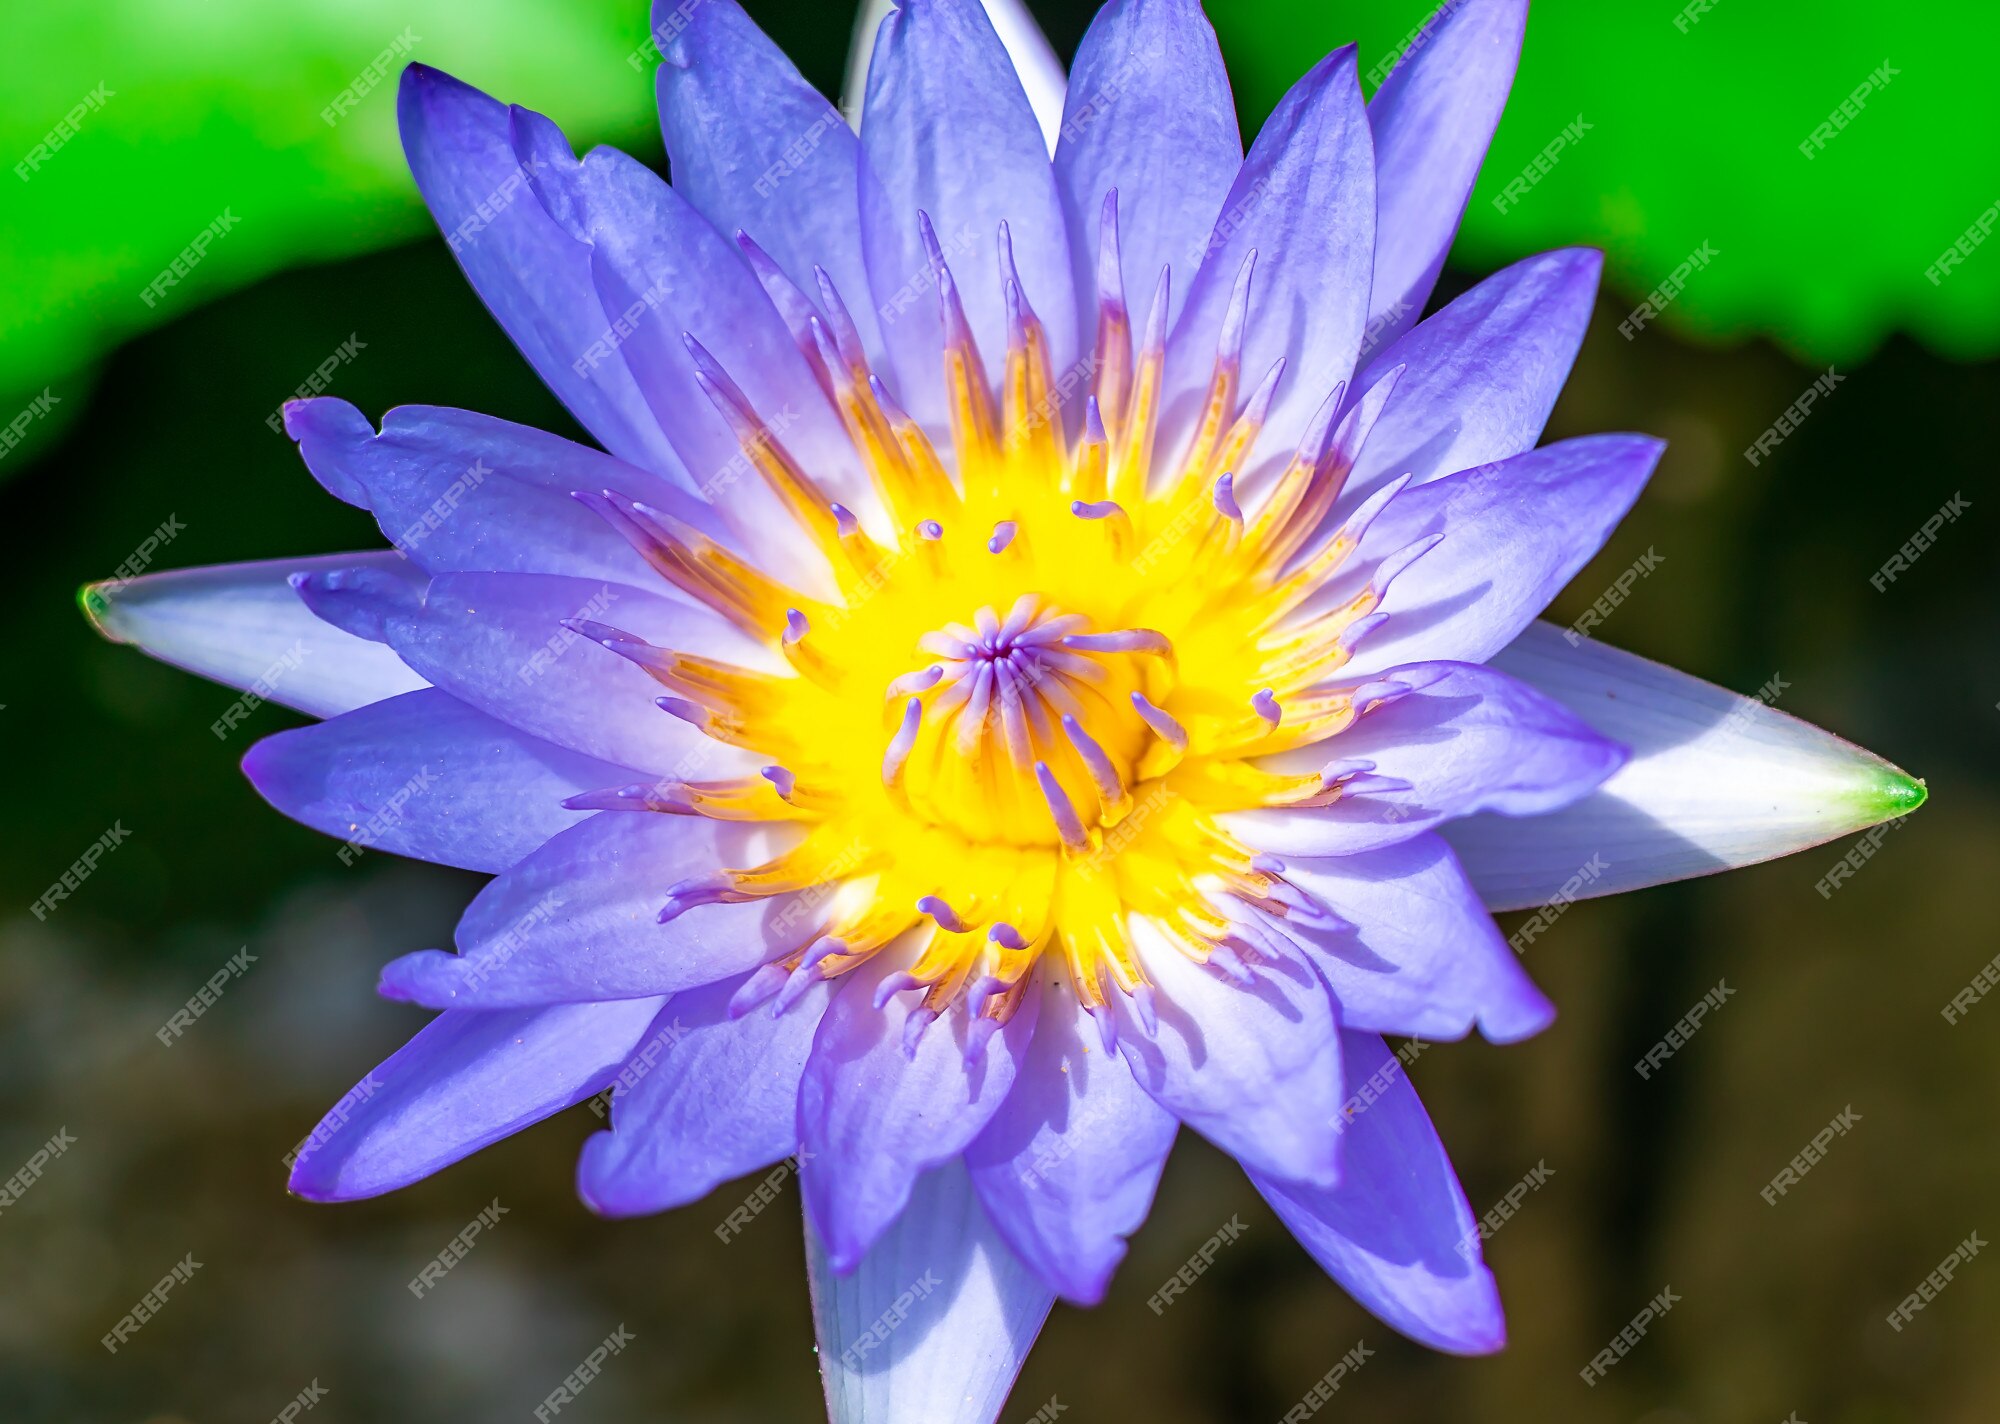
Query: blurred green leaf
x,y
1696,122
159,116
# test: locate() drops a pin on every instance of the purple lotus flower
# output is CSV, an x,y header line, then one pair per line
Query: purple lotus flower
x,y
1045,655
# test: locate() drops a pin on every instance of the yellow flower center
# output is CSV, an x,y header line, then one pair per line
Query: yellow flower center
x,y
1014,727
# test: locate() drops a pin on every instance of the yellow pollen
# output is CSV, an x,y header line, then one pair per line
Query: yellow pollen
x,y
1015,729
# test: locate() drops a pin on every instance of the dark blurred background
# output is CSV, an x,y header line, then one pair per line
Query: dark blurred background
x,y
1653,1183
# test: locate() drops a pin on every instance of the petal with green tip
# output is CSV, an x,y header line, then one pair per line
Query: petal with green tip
x,y
1716,780
243,625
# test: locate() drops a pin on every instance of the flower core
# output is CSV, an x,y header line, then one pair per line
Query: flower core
x,y
1013,728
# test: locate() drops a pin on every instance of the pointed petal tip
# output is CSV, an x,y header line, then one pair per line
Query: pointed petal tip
x,y
93,600
306,1192
1892,793
315,1177
420,83
1485,1335
1717,781
1584,259
409,980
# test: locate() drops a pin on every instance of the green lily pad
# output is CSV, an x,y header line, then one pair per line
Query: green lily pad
x,y
269,128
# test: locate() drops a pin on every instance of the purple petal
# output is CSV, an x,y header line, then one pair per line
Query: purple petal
x,y
665,275
1150,114
532,275
459,492
873,1119
579,919
1253,1068
424,775
1433,118
757,149
498,641
466,1080
1424,957
1470,740
1068,1165
1397,1232
376,600
707,1098
1304,202
1715,781
1481,375
967,1312
243,625
947,130
1028,49
1515,533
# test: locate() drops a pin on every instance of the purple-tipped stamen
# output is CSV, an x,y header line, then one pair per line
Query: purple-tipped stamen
x,y
1160,721
1103,774
902,742
1225,499
693,713
913,1030
1125,640
760,988
922,680
1006,936
1067,824
947,918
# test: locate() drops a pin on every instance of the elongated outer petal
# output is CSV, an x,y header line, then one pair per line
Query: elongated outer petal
x,y
1304,202
1424,958
1033,57
1472,739
1397,1232
1150,114
663,273
498,642
757,149
1253,1068
1068,1166
243,625
1515,533
425,775
969,1311
948,131
460,492
1433,118
465,1081
705,1099
1481,375
1716,781
533,276
578,920
874,1118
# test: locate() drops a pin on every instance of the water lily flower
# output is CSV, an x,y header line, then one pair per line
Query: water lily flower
x,y
1045,655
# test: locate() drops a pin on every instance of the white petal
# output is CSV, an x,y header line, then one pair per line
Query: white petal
x,y
1716,781
243,625
934,1324
1034,60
